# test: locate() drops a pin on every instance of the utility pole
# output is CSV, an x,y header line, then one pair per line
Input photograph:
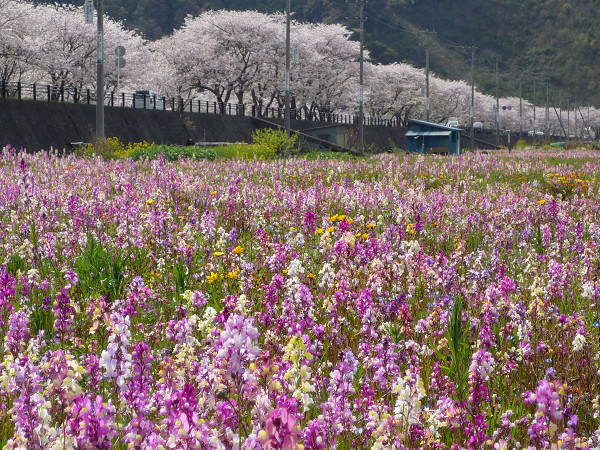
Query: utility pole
x,y
575,112
361,137
427,43
427,79
100,73
287,113
472,134
547,113
497,109
534,120
361,89
568,117
520,110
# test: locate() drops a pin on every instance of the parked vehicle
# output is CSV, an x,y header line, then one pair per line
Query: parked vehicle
x,y
537,133
148,100
506,132
482,127
453,124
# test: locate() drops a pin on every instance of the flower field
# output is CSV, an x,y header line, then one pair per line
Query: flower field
x,y
392,302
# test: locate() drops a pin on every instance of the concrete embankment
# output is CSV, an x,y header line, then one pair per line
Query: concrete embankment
x,y
42,125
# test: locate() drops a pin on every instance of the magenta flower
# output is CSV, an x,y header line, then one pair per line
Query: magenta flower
x,y
281,431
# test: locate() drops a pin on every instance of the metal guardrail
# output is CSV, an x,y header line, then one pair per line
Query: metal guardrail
x,y
49,93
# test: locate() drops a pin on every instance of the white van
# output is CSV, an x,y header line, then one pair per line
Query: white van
x,y
148,99
453,124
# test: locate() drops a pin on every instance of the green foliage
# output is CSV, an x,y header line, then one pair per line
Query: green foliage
x,y
99,271
15,265
276,140
113,148
326,154
522,143
460,353
245,151
174,153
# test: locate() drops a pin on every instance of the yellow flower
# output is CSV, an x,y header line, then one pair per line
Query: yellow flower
x,y
319,231
370,225
366,235
214,192
342,217
212,277
238,250
330,229
284,271
541,202
232,275
410,228
149,202
333,218
311,275
218,253
349,220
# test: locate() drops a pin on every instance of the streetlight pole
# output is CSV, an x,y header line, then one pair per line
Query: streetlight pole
x,y
287,72
100,73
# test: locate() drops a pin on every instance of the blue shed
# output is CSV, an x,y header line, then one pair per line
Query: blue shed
x,y
432,138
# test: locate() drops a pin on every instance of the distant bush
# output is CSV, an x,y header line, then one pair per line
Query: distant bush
x,y
174,153
276,140
521,143
113,148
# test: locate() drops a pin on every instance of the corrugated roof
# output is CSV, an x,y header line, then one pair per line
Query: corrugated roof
x,y
428,133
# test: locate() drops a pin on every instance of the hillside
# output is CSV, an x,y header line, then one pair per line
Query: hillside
x,y
550,41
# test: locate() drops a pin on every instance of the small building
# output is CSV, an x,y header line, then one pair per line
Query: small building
x,y
344,135
432,138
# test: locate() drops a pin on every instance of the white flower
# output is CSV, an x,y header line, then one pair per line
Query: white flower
x,y
588,290
578,342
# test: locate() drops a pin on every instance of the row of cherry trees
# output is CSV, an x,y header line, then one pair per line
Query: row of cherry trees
x,y
239,57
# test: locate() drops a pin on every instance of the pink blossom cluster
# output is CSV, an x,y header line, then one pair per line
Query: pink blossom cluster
x,y
394,302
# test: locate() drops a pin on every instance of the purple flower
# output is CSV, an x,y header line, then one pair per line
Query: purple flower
x,y
91,423
236,344
18,332
281,432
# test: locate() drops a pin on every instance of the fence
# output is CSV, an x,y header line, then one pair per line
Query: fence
x,y
51,93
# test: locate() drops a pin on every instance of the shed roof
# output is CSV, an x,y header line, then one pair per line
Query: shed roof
x,y
428,133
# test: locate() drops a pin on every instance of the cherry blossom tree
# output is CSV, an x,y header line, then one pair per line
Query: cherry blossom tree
x,y
64,49
327,73
221,52
15,57
394,91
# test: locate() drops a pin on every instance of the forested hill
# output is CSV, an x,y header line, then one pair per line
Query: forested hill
x,y
552,41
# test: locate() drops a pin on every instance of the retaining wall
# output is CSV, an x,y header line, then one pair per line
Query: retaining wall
x,y
41,125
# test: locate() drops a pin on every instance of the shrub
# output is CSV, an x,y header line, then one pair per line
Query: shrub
x,y
173,153
276,140
113,148
521,143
